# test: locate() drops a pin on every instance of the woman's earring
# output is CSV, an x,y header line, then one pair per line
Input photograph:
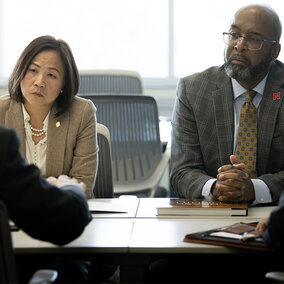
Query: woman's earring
x,y
61,92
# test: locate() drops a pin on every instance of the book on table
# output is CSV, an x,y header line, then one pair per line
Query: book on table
x,y
200,207
239,235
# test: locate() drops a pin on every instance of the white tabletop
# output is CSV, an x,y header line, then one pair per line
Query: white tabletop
x,y
166,235
100,235
139,231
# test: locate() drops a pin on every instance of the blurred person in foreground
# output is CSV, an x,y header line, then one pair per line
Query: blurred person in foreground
x,y
272,228
54,211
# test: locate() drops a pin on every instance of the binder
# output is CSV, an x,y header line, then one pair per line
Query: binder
x,y
240,235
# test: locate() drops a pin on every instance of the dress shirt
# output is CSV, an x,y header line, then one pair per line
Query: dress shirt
x,y
262,192
35,153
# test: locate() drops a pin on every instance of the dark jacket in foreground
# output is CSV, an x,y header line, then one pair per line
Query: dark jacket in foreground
x,y
40,209
274,235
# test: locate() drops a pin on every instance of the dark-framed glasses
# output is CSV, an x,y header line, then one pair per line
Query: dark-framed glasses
x,y
252,43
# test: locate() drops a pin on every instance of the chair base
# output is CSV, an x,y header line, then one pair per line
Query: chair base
x,y
275,275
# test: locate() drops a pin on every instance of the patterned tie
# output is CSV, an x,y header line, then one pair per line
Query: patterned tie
x,y
247,135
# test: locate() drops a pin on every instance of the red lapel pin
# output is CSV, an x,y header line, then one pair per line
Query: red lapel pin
x,y
276,96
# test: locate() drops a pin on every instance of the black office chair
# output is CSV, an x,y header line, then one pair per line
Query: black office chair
x,y
104,185
8,270
138,162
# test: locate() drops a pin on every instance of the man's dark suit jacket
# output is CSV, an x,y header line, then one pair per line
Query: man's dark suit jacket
x,y
40,209
203,131
274,234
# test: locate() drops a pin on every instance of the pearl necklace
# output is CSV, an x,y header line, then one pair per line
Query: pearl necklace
x,y
37,132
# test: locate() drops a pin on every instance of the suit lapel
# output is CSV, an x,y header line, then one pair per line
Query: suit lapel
x,y
56,143
224,116
269,108
15,119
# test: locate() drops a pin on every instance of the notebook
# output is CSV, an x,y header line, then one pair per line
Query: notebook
x,y
201,207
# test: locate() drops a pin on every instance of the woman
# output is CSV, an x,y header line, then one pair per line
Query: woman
x,y
57,129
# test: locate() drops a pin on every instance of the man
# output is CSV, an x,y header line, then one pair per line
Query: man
x,y
208,157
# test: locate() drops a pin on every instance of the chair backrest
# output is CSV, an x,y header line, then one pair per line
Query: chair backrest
x,y
110,81
134,130
104,185
8,271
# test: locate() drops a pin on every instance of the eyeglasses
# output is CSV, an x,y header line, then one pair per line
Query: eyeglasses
x,y
232,39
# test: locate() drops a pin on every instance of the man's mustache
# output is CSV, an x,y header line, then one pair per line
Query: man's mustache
x,y
238,57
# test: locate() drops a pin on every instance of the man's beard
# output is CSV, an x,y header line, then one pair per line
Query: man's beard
x,y
248,72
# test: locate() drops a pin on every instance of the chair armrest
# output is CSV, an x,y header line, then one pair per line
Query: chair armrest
x,y
43,276
152,182
275,275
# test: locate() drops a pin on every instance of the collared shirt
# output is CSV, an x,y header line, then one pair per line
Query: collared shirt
x,y
262,192
35,153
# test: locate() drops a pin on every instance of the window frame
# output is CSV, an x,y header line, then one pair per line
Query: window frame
x,y
167,82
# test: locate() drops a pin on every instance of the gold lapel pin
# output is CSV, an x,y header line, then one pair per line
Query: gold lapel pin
x,y
57,124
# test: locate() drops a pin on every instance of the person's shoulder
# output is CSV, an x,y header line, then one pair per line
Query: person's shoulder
x,y
209,72
82,109
279,63
7,103
5,97
203,81
80,104
278,66
276,72
5,100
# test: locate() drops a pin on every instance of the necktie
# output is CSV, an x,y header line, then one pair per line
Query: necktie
x,y
247,135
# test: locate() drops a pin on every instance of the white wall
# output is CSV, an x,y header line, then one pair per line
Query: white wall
x,y
165,99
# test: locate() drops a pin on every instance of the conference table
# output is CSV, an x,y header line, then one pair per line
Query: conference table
x,y
135,236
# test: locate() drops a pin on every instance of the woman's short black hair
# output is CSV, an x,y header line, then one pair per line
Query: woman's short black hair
x,y
71,77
